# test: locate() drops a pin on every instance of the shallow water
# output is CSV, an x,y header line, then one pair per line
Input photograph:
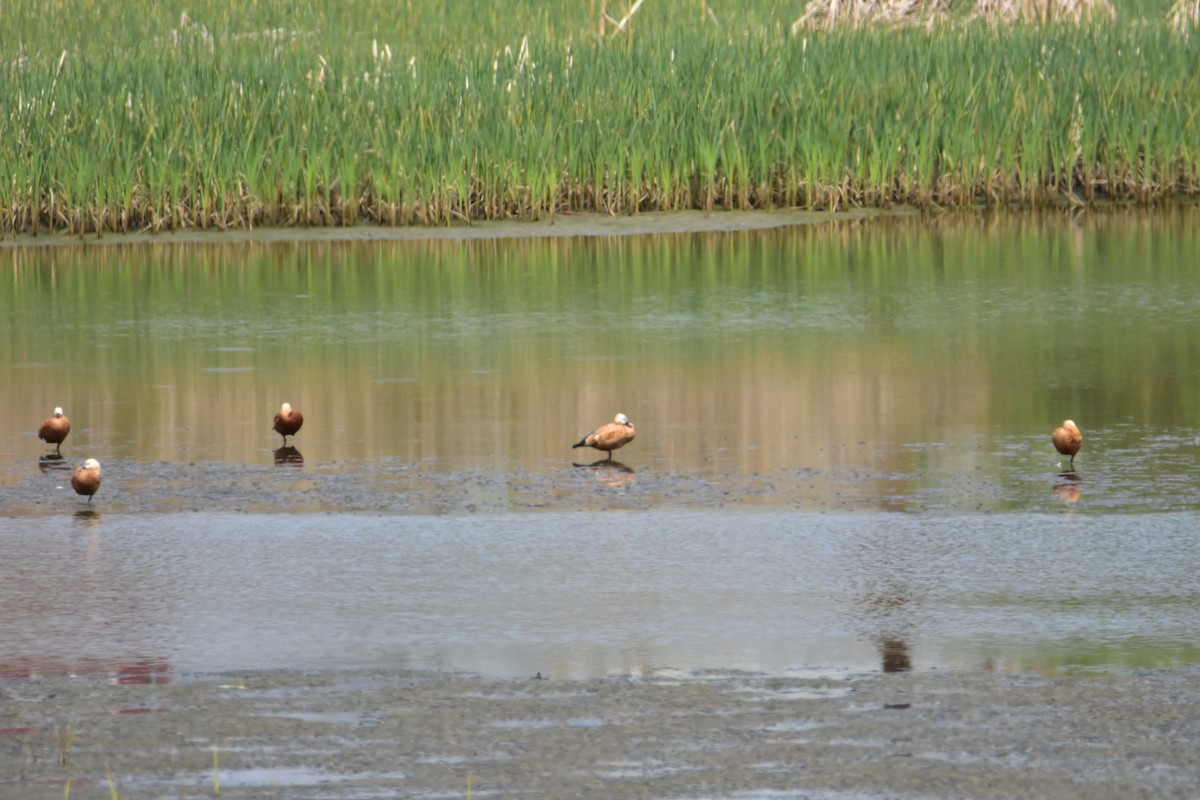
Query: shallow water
x,y
842,460
582,594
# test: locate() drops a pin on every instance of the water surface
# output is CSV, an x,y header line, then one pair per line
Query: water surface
x,y
821,410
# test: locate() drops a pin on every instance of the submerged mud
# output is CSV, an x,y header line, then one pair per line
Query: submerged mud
x,y
667,734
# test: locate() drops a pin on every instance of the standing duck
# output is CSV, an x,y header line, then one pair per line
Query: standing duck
x,y
1068,440
86,480
288,421
55,430
615,434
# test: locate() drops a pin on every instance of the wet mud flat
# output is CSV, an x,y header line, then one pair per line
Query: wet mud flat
x,y
393,486
562,225
665,734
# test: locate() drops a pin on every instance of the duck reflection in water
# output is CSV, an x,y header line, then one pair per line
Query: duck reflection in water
x,y
613,474
132,670
887,614
886,608
1068,487
53,462
88,517
606,464
288,457
894,652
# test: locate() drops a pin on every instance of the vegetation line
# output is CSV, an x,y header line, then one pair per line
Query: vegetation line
x,y
121,119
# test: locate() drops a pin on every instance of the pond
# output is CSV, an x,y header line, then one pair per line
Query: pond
x,y
842,459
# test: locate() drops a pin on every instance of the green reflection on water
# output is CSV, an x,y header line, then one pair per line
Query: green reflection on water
x,y
917,355
1080,656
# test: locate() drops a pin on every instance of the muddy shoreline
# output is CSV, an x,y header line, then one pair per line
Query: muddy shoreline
x,y
667,734
585,223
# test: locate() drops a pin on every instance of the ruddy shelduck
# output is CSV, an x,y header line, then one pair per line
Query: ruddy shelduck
x,y
288,421
86,479
1068,440
615,434
55,430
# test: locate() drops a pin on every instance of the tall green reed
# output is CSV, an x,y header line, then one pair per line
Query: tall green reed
x,y
266,115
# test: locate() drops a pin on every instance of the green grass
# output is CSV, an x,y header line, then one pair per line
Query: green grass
x,y
125,116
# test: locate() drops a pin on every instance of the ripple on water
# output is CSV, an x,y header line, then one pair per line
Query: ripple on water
x,y
686,597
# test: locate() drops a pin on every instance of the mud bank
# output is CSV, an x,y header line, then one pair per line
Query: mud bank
x,y
393,486
584,223
667,734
